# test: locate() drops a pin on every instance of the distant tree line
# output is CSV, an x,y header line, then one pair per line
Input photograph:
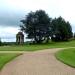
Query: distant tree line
x,y
40,27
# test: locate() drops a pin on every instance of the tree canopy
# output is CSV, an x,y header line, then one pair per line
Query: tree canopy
x,y
40,27
61,29
37,26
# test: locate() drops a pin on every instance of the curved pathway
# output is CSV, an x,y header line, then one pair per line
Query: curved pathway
x,y
37,63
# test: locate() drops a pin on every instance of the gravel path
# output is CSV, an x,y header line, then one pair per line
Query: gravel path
x,y
37,63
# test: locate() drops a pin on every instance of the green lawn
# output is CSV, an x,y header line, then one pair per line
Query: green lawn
x,y
67,56
5,58
38,46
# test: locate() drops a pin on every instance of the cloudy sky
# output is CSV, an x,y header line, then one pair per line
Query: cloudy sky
x,y
12,11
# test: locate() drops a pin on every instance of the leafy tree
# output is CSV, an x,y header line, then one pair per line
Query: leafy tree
x,y
74,35
37,26
61,29
0,42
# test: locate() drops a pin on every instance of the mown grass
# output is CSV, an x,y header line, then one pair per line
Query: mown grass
x,y
67,56
6,57
38,46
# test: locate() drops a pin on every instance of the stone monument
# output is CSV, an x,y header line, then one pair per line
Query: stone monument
x,y
20,38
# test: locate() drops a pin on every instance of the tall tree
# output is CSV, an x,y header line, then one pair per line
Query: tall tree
x,y
74,35
0,42
61,29
37,26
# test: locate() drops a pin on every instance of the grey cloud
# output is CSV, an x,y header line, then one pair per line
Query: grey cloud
x,y
10,19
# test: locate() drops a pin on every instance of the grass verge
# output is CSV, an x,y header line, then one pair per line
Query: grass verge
x,y
6,57
67,56
38,46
